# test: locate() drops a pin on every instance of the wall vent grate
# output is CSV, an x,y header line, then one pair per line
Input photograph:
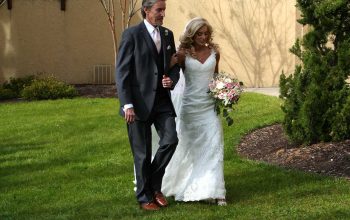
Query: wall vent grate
x,y
103,74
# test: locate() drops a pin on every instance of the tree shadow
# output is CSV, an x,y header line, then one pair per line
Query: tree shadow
x,y
256,36
266,180
9,147
336,213
77,165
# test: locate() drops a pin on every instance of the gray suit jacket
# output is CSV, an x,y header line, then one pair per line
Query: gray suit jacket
x,y
136,70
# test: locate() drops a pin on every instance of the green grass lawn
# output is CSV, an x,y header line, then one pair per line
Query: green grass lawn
x,y
70,159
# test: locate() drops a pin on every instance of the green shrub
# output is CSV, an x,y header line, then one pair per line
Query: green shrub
x,y
48,88
317,103
16,85
7,94
341,125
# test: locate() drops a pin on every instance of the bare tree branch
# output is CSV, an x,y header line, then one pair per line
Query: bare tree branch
x,y
128,9
132,11
108,6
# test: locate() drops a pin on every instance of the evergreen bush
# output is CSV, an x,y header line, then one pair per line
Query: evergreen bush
x,y
16,85
48,88
317,103
7,94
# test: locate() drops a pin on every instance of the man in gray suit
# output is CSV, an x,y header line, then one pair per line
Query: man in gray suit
x,y
144,77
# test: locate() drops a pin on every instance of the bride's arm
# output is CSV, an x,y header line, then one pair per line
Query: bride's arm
x,y
178,58
181,55
173,60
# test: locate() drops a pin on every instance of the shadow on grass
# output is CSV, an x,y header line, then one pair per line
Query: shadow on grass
x,y
334,214
9,147
262,180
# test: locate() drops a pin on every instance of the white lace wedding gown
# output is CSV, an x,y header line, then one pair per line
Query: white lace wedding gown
x,y
195,171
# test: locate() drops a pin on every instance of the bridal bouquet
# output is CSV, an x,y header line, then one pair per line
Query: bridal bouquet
x,y
226,91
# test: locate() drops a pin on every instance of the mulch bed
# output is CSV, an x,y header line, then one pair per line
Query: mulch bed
x,y
271,145
97,91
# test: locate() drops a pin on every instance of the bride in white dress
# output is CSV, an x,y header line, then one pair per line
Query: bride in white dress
x,y
195,171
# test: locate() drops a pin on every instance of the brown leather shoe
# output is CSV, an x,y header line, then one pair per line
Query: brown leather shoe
x,y
160,199
149,206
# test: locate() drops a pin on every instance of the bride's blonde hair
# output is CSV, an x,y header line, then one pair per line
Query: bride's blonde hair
x,y
186,39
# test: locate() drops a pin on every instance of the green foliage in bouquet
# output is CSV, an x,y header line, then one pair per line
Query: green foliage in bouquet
x,y
317,103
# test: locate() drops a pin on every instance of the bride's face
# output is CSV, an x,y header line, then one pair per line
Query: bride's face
x,y
201,38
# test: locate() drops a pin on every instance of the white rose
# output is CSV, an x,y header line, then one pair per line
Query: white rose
x,y
220,85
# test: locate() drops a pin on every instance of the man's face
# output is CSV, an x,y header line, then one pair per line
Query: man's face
x,y
156,13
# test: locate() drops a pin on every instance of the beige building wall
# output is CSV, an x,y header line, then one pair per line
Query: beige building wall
x,y
254,35
36,36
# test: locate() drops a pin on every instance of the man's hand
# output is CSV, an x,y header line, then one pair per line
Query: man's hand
x,y
167,82
129,115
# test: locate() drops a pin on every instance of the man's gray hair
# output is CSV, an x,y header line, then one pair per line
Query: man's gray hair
x,y
147,4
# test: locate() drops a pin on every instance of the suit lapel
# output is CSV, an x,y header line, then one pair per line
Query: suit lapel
x,y
149,42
